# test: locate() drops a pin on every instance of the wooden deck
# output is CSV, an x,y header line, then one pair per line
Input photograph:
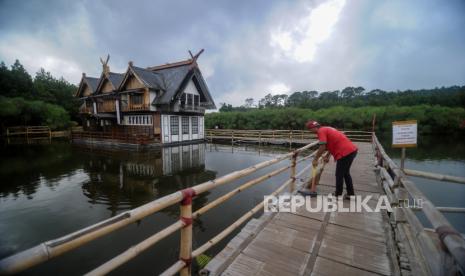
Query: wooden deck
x,y
304,243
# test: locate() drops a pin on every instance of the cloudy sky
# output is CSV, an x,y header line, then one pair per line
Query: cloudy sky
x,y
251,47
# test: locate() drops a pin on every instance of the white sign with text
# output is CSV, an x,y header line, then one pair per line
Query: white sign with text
x,y
404,134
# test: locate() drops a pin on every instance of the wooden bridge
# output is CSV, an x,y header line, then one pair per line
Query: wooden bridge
x,y
273,136
294,243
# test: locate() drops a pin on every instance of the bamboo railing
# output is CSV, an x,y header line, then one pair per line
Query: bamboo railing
x,y
428,254
29,133
287,136
435,176
53,248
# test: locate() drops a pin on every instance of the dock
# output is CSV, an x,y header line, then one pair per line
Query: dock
x,y
318,243
275,136
387,242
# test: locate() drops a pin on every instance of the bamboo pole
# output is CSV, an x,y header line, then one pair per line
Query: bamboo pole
x,y
135,250
241,220
239,174
185,251
243,187
53,248
445,209
292,176
454,243
172,270
435,176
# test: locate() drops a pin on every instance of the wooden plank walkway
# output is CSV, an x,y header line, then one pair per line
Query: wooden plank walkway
x,y
308,243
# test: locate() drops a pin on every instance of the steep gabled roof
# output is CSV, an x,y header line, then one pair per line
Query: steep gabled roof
x,y
89,81
177,78
170,80
169,65
93,83
115,80
148,78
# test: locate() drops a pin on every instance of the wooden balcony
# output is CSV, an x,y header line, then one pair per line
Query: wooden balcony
x,y
136,107
107,106
190,108
85,109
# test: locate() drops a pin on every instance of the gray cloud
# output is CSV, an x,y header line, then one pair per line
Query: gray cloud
x,y
252,47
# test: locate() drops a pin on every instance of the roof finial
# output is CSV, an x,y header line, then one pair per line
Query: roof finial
x,y
131,63
194,58
106,68
83,74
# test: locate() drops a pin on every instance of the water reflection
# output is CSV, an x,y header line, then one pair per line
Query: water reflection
x,y
24,168
125,181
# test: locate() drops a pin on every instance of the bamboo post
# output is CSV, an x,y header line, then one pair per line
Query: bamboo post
x,y
185,251
290,140
232,138
293,167
402,159
259,138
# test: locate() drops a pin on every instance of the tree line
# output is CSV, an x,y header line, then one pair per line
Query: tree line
x,y
437,110
431,118
39,100
453,96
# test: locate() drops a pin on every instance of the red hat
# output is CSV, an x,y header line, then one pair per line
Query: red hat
x,y
312,124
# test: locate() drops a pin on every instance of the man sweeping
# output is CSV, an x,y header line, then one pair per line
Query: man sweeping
x,y
343,151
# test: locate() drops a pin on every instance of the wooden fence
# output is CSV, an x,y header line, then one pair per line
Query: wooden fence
x,y
140,139
29,133
277,136
434,252
57,247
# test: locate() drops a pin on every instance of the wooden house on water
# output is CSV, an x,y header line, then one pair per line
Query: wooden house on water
x,y
162,104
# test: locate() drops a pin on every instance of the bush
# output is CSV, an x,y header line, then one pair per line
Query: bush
x,y
430,119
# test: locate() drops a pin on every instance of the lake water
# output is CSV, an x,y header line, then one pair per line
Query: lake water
x,y
48,191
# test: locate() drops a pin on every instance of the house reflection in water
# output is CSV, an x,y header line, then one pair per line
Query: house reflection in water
x,y
126,180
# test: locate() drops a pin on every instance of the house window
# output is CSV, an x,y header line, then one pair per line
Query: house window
x,y
195,125
183,99
185,125
136,99
174,125
190,99
196,100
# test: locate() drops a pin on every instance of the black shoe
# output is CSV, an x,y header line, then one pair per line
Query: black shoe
x,y
308,193
348,197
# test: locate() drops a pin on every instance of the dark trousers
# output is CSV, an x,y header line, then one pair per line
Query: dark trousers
x,y
343,174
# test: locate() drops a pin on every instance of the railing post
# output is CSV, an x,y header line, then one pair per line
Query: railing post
x,y
185,249
290,140
293,169
232,138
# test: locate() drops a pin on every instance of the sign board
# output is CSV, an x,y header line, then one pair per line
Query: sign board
x,y
404,134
